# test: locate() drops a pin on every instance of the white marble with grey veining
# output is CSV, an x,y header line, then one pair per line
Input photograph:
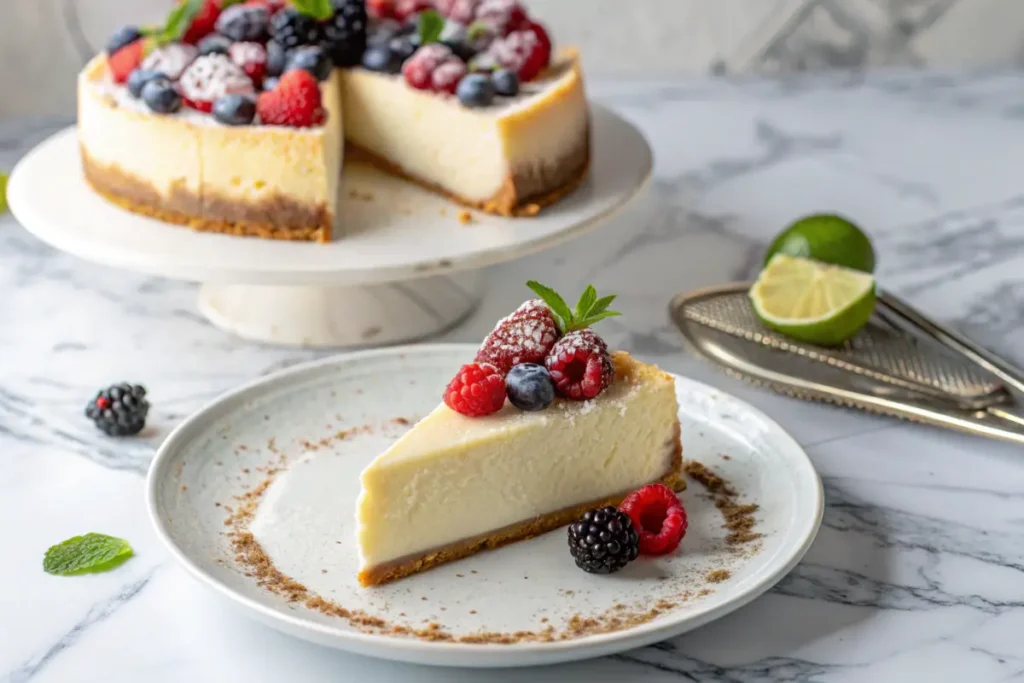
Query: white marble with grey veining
x,y
918,572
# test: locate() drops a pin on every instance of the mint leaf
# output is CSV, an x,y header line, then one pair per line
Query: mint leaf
x,y
555,302
599,317
318,9
178,21
602,304
431,24
84,554
586,302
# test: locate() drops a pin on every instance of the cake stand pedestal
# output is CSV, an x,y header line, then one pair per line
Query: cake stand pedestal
x,y
405,264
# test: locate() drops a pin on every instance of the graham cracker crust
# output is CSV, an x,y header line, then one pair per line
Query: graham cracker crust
x,y
521,531
273,217
524,194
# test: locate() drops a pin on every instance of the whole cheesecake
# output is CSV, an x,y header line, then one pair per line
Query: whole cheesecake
x,y
207,123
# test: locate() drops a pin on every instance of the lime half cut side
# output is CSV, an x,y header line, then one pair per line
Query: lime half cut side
x,y
813,301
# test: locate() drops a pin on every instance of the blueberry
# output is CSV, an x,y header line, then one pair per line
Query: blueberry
x,y
276,58
312,59
382,59
139,78
269,83
475,90
234,110
529,386
462,49
505,82
404,46
123,36
160,96
214,44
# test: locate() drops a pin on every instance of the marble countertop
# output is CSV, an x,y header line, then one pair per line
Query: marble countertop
x,y
918,571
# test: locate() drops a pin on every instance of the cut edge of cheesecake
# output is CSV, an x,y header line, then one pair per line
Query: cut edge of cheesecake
x,y
627,369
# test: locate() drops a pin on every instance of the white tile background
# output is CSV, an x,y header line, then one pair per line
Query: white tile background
x,y
44,42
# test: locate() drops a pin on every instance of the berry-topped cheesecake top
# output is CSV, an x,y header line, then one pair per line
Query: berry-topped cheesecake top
x,y
247,62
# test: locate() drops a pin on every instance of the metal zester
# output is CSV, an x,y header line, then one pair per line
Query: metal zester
x,y
902,364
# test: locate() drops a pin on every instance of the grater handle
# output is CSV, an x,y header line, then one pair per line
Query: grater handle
x,y
982,357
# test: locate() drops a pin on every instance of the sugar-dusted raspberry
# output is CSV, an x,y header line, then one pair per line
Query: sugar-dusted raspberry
x,y
477,390
525,336
580,365
526,51
209,78
171,60
252,57
462,11
434,67
502,16
658,516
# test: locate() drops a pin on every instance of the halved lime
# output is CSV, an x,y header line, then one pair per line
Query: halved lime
x,y
826,238
812,301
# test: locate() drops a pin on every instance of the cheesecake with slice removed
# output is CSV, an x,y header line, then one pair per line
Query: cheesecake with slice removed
x,y
479,472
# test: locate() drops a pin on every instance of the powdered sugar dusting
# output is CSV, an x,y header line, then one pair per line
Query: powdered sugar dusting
x,y
525,336
212,76
171,60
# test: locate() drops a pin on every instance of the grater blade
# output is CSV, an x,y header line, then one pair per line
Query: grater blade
x,y
883,370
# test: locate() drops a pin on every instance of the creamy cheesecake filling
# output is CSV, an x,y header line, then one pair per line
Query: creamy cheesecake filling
x,y
437,485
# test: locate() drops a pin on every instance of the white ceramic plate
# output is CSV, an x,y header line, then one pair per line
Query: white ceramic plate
x,y
403,232
305,520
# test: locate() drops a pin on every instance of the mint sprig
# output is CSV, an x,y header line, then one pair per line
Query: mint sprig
x,y
430,26
589,309
85,554
318,9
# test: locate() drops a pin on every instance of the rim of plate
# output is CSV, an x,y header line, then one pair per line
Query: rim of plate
x,y
408,648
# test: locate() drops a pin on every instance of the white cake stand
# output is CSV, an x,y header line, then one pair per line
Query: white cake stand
x,y
404,268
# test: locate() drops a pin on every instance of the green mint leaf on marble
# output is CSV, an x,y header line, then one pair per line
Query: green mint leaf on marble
x,y
431,24
589,309
85,554
3,192
318,9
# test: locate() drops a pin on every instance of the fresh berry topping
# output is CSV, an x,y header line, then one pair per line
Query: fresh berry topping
x,y
404,9
477,390
475,90
529,387
211,77
311,58
525,336
455,37
138,79
269,83
603,541
277,58
126,60
419,69
123,36
506,83
381,32
161,96
526,51
235,110
501,16
272,6
381,9
291,28
462,11
244,23
295,102
214,44
252,58
203,23
580,365
119,410
380,58
171,60
447,76
658,516
344,34
404,47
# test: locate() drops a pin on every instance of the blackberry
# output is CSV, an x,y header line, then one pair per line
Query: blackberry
x,y
344,34
244,24
119,410
603,541
290,28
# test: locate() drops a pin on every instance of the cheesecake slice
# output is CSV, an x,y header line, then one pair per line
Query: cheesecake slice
x,y
455,485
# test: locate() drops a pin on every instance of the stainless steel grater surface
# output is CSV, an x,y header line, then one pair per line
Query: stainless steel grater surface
x,y
886,368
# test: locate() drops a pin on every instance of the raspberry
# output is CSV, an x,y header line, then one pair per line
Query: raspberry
x,y
525,336
462,11
123,62
658,516
526,51
477,390
295,102
381,9
580,365
502,16
252,58
203,23
403,9
434,67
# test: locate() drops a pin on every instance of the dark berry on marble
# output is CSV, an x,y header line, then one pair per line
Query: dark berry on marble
x,y
139,78
475,90
123,36
506,82
119,410
380,58
160,96
310,58
529,386
235,110
214,44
